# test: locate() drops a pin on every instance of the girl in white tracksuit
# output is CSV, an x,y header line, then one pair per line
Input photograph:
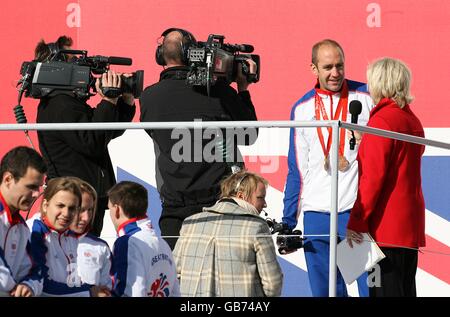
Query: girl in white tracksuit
x,y
53,246
93,253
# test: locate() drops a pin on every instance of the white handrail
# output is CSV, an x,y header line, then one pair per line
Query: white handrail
x,y
163,125
395,135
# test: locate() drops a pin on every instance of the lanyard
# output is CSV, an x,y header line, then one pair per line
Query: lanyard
x,y
341,108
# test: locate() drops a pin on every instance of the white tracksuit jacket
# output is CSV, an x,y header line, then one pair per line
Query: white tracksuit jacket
x,y
143,264
68,264
308,184
15,258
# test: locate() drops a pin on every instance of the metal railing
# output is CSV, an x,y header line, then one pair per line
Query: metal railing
x,y
335,126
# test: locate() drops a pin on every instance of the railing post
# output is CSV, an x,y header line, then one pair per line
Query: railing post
x,y
334,156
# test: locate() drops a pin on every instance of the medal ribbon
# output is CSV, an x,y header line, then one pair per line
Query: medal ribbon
x,y
341,108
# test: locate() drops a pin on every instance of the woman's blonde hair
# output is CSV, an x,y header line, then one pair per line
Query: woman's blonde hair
x,y
245,182
389,78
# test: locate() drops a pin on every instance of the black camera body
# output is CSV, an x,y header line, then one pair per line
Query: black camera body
x,y
288,240
75,76
214,60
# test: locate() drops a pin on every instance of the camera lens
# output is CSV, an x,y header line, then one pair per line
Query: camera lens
x,y
133,84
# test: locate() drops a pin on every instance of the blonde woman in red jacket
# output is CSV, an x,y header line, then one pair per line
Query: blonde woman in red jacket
x,y
390,204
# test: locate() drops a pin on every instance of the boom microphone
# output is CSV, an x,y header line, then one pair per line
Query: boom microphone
x,y
113,60
244,48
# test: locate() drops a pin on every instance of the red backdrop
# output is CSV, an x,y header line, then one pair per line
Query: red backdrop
x,y
282,32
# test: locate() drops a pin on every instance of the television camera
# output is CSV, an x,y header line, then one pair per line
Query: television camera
x,y
72,72
75,76
214,60
288,240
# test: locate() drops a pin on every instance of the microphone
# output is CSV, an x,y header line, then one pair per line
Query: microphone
x,y
244,48
115,60
355,109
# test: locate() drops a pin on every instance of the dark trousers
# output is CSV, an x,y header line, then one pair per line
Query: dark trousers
x,y
398,274
170,227
97,226
172,218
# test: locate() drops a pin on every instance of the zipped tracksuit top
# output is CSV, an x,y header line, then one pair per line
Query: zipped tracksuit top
x,y
143,264
15,258
308,184
68,264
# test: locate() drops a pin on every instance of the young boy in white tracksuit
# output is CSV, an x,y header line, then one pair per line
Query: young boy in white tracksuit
x,y
143,264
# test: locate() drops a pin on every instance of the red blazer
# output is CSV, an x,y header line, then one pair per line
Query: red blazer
x,y
390,204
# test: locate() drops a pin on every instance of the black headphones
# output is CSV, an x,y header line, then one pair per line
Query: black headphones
x,y
53,48
186,42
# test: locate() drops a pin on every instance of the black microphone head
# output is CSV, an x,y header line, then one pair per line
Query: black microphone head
x,y
114,60
355,107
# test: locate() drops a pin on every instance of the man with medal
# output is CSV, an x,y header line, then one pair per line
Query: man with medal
x,y
308,184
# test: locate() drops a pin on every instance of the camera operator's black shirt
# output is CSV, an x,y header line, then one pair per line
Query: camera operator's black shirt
x,y
171,99
81,153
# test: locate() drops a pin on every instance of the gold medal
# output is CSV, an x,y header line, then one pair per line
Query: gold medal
x,y
343,163
326,163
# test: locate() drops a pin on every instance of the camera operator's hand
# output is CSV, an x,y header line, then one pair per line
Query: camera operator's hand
x,y
127,97
108,79
241,78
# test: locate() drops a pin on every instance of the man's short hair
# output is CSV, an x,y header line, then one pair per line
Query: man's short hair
x,y
131,196
177,50
326,42
19,159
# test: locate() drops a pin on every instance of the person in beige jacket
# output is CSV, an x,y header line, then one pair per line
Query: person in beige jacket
x,y
227,250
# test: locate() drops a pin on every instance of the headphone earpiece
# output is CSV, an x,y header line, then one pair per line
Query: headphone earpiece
x,y
186,42
53,48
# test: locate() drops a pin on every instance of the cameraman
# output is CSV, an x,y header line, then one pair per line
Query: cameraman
x,y
187,186
82,153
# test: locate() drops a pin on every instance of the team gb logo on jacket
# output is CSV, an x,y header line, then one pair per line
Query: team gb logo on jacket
x,y
160,287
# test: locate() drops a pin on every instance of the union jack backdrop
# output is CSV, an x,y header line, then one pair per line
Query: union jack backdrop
x,y
282,33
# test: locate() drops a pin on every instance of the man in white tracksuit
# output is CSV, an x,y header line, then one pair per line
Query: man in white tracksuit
x,y
22,172
308,184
